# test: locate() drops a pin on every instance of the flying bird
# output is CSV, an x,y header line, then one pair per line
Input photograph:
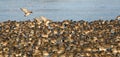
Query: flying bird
x,y
44,19
118,17
26,11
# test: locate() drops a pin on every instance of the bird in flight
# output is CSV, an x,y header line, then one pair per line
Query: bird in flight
x,y
118,17
44,19
26,11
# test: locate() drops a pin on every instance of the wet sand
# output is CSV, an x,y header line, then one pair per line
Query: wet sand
x,y
36,38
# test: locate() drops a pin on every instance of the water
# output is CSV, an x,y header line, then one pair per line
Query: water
x,y
59,10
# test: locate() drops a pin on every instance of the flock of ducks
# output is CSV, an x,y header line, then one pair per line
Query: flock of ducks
x,y
45,38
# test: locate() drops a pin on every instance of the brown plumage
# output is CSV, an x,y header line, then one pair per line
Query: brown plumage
x,y
26,11
118,17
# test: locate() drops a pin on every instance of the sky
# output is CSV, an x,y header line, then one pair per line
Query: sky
x,y
60,9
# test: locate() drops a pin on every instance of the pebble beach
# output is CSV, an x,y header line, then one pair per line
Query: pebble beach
x,y
67,38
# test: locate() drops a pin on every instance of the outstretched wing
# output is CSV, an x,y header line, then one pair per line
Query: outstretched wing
x,y
25,10
44,18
